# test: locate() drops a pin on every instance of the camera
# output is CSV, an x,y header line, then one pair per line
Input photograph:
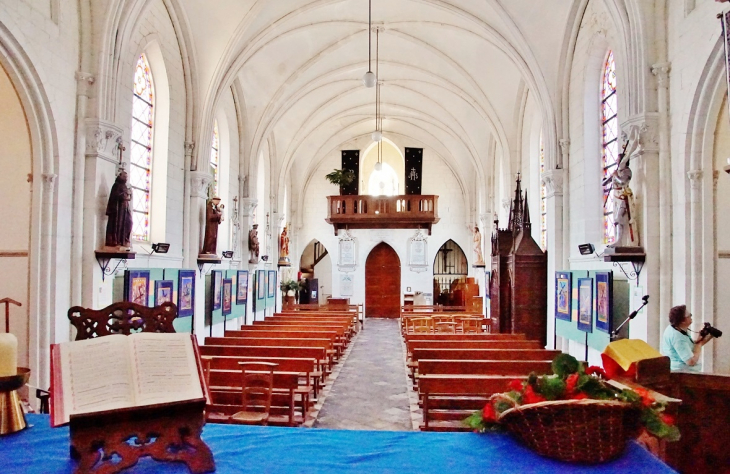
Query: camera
x,y
708,329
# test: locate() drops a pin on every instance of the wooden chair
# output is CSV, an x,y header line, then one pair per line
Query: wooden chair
x,y
257,387
469,325
445,324
420,325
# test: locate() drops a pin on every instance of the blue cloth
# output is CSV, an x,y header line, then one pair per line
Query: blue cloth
x,y
263,450
678,347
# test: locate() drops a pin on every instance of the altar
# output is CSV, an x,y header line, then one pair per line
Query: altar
x,y
252,449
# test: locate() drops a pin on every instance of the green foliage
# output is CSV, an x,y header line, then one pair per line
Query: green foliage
x,y
552,388
341,177
565,364
288,285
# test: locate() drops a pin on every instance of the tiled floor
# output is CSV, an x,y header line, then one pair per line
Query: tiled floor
x,y
371,391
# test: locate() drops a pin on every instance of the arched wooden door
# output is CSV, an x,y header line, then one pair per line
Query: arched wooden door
x,y
382,283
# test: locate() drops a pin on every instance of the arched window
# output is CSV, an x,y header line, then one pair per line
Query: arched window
x,y
215,157
609,123
543,198
141,150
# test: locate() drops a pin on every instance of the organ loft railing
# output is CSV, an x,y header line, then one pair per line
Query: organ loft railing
x,y
382,212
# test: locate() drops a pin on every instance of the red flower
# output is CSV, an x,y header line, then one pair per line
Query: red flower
x,y
646,399
515,385
571,382
595,370
488,413
579,396
668,419
531,397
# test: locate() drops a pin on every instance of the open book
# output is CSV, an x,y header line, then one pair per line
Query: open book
x,y
118,371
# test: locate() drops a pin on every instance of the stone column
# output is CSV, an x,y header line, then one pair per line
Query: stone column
x,y
189,256
103,141
661,71
199,182
695,245
43,328
553,181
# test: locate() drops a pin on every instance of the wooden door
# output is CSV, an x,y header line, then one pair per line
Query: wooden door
x,y
382,283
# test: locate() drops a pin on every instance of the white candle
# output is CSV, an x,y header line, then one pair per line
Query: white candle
x,y
8,355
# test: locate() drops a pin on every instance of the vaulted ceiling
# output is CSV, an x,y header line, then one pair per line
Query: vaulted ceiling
x,y
454,72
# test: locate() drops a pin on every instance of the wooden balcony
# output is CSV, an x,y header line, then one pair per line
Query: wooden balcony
x,y
382,212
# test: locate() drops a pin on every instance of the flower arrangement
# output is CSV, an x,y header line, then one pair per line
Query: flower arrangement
x,y
572,381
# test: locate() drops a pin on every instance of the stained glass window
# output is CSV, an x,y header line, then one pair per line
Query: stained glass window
x,y
140,173
543,198
214,157
609,155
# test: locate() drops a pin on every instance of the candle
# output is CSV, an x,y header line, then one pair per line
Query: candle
x,y
8,355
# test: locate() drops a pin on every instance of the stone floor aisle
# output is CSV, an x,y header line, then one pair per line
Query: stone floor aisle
x,y
371,391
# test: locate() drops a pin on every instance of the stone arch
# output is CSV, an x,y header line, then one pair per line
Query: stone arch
x,y
43,328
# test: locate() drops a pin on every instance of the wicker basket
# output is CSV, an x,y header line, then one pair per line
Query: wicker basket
x,y
581,431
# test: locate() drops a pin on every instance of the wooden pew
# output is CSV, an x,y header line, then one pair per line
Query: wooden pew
x,y
447,399
472,344
483,354
225,388
483,367
465,337
338,341
317,353
326,344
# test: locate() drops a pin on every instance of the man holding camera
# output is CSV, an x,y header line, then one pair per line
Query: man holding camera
x,y
678,345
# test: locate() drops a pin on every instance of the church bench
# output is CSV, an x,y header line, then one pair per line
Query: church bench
x,y
349,328
317,353
465,337
350,316
225,389
419,353
307,368
447,399
472,344
338,342
340,331
326,344
484,367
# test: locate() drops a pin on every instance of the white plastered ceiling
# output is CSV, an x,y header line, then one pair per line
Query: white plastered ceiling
x,y
452,72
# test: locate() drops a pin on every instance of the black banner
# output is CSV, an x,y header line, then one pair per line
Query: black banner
x,y
414,170
351,161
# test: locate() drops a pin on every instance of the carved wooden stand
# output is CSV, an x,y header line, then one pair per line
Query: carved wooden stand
x,y
109,442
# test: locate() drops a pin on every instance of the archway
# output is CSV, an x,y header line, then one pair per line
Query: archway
x,y
449,264
15,193
382,283
315,265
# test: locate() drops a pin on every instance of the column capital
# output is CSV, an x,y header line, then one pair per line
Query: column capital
x,y
199,182
564,145
661,71
647,125
695,178
103,140
189,148
248,205
553,181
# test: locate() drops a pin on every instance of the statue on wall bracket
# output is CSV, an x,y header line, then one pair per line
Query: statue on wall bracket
x,y
284,248
253,244
119,213
213,218
626,229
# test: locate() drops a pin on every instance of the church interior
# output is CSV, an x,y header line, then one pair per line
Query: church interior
x,y
548,175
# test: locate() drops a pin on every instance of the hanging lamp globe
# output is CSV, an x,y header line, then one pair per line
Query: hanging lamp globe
x,y
377,135
369,79
378,166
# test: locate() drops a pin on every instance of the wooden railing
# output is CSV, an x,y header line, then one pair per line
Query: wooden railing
x,y
382,212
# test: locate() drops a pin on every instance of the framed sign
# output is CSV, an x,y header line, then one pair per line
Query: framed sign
x,y
261,284
227,295
186,293
347,253
215,286
271,284
563,295
604,301
137,284
163,291
241,286
585,304
418,252
346,284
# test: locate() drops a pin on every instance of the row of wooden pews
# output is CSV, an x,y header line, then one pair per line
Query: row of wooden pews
x,y
305,345
454,374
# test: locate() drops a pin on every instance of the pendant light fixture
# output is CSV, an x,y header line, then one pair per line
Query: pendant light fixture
x,y
369,79
377,135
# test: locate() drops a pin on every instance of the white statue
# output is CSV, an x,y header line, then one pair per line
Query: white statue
x,y
624,210
478,257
